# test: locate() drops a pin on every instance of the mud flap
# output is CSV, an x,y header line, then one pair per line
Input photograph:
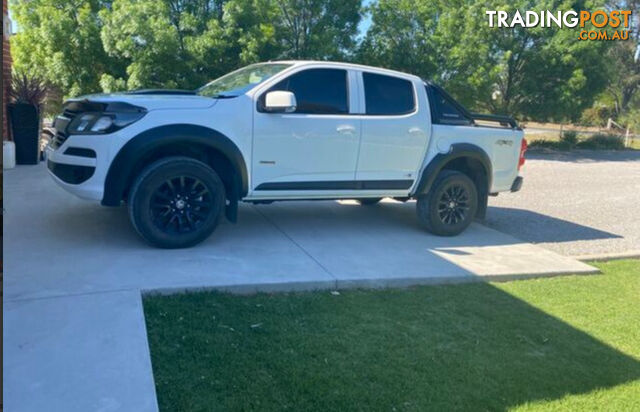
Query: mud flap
x,y
231,211
483,201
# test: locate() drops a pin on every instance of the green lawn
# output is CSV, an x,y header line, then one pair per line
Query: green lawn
x,y
546,344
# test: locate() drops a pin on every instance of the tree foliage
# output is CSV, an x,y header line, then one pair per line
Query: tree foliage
x,y
540,73
624,85
85,46
59,40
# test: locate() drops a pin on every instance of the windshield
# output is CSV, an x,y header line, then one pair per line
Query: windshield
x,y
236,83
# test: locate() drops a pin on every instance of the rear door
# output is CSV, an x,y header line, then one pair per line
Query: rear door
x,y
395,131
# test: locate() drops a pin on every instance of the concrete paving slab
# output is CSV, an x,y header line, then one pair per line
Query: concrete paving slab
x,y
77,353
503,260
384,245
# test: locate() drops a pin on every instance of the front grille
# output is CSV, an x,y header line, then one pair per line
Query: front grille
x,y
60,125
58,140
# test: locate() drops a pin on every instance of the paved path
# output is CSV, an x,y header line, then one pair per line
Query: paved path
x,y
579,203
74,334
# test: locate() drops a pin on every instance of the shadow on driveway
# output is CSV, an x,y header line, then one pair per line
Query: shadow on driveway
x,y
538,228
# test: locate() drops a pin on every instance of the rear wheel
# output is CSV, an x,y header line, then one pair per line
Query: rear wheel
x,y
450,206
176,202
367,201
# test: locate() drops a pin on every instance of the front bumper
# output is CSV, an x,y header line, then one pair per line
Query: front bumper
x,y
78,166
517,184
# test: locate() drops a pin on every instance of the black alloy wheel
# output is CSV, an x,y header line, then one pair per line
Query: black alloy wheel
x,y
453,204
450,205
176,202
181,204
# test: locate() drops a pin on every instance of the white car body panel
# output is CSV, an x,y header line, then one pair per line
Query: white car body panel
x,y
504,156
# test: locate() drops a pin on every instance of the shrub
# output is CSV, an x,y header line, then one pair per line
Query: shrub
x,y
27,89
547,144
569,138
631,119
603,141
597,116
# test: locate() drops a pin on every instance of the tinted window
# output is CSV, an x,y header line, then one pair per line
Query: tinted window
x,y
317,91
387,95
445,110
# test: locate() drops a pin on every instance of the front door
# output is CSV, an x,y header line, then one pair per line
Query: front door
x,y
314,148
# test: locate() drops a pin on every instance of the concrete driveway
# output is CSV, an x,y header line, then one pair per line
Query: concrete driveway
x,y
74,334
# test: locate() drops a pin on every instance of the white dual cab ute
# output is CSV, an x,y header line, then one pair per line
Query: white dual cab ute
x,y
287,130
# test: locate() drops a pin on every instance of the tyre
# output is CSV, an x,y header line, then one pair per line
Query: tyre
x,y
176,202
450,206
367,201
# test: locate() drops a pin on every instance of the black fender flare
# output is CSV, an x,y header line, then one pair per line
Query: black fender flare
x,y
457,151
124,163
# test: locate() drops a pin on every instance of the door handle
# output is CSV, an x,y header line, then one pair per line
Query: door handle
x,y
415,131
346,129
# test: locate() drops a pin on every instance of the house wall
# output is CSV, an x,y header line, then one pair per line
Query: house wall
x,y
6,69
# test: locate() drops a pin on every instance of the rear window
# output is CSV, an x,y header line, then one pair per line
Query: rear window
x,y
387,95
444,110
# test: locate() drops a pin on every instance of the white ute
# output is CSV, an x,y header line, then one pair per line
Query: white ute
x,y
283,131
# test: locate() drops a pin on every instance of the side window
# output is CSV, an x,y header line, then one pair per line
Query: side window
x,y
444,109
387,95
317,91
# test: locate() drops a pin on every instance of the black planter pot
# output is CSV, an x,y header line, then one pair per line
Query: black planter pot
x,y
25,122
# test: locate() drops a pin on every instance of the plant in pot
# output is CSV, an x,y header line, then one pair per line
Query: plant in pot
x,y
26,93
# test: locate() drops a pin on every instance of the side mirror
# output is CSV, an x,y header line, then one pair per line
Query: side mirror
x,y
280,102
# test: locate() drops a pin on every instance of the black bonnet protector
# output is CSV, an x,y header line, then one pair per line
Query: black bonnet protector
x,y
162,91
84,106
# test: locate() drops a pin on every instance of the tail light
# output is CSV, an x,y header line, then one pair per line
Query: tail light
x,y
523,149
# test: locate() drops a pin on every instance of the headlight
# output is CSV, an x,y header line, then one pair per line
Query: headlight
x,y
102,123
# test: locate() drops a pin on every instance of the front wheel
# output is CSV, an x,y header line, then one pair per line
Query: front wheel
x,y
176,202
450,206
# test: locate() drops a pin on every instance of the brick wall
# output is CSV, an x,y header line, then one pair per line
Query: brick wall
x,y
6,73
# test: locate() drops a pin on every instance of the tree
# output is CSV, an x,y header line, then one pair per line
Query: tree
x,y
84,46
294,29
59,40
321,29
625,73
179,43
402,36
540,73
162,42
